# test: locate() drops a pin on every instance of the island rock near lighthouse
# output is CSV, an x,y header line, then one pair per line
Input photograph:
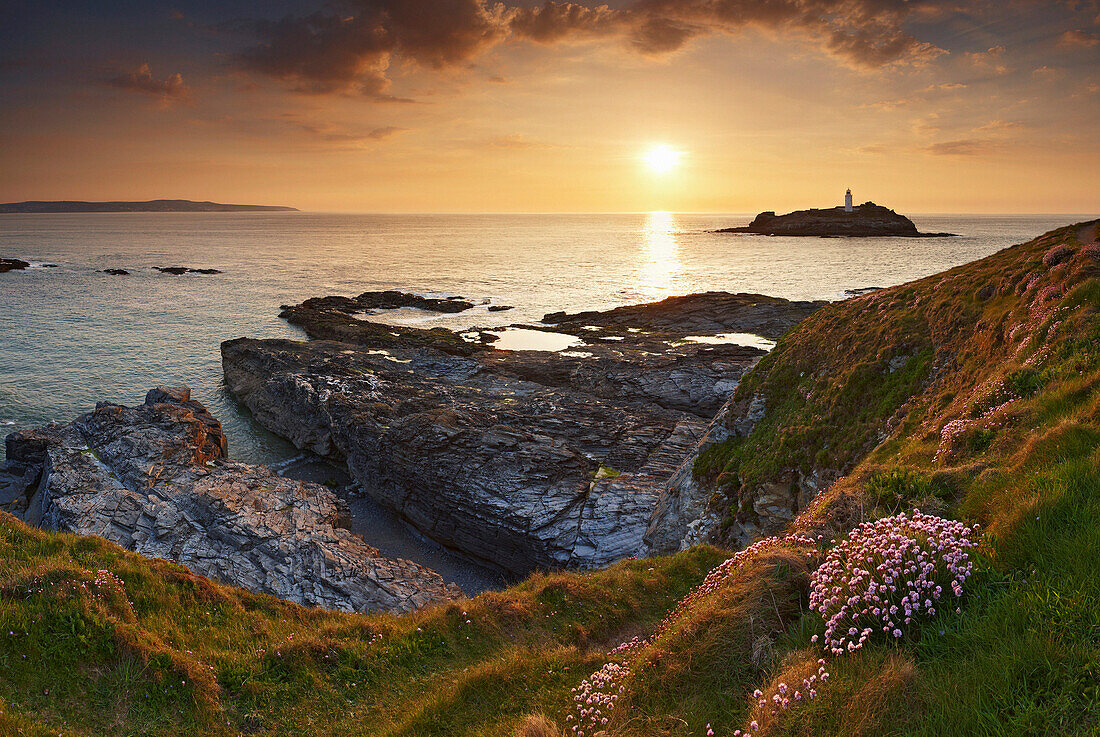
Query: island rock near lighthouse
x,y
866,220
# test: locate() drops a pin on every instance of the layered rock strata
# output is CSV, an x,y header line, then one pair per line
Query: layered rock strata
x,y
523,459
155,479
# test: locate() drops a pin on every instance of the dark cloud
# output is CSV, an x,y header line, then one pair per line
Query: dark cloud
x,y
553,22
350,46
142,80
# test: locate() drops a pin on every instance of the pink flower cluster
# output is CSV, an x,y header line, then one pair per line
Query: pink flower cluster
x,y
886,574
771,706
595,698
1056,255
101,582
1092,251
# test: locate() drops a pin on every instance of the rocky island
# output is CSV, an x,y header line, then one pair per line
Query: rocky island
x,y
866,220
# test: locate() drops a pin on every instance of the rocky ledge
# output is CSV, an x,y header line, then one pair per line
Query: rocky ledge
x,y
523,459
12,264
866,220
155,479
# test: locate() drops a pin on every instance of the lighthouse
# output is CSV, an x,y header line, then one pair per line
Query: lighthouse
x,y
848,201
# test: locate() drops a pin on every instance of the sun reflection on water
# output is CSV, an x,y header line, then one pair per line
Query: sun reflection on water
x,y
661,254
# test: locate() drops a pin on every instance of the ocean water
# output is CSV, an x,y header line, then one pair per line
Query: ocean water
x,y
70,336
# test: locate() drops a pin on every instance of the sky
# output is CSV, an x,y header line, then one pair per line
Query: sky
x,y
925,106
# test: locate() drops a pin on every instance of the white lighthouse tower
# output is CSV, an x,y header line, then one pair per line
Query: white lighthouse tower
x,y
848,201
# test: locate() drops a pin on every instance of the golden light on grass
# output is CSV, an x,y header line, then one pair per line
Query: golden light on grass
x,y
661,158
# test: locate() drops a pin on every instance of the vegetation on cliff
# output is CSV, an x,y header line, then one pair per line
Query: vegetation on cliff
x,y
972,395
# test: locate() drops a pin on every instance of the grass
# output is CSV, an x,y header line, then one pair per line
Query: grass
x,y
172,653
974,394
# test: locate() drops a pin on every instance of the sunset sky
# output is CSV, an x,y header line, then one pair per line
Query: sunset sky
x,y
468,105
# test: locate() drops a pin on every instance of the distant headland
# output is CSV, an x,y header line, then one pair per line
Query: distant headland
x,y
863,220
42,206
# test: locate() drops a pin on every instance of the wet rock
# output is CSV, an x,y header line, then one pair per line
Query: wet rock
x,y
115,272
500,308
154,478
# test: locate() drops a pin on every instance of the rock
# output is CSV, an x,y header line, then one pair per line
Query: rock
x,y
387,300
866,220
11,264
154,479
500,308
115,272
505,455
706,313
177,270
495,466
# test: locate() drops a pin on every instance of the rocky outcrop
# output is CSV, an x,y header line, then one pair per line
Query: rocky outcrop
x,y
496,466
387,300
12,264
866,220
523,459
154,479
706,313
115,272
178,270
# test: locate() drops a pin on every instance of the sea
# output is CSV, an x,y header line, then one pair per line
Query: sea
x,y
71,336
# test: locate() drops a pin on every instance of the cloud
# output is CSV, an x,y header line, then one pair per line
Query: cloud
x,y
142,80
1077,38
963,147
920,96
990,60
342,138
350,46
351,51
516,141
379,134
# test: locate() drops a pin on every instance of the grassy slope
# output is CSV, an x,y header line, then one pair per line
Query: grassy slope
x,y
176,654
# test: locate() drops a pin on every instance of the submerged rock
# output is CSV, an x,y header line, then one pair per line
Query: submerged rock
x,y
154,479
865,220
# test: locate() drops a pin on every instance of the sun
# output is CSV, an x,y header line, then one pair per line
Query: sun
x,y
661,159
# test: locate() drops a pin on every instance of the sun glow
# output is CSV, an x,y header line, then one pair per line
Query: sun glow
x,y
661,159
